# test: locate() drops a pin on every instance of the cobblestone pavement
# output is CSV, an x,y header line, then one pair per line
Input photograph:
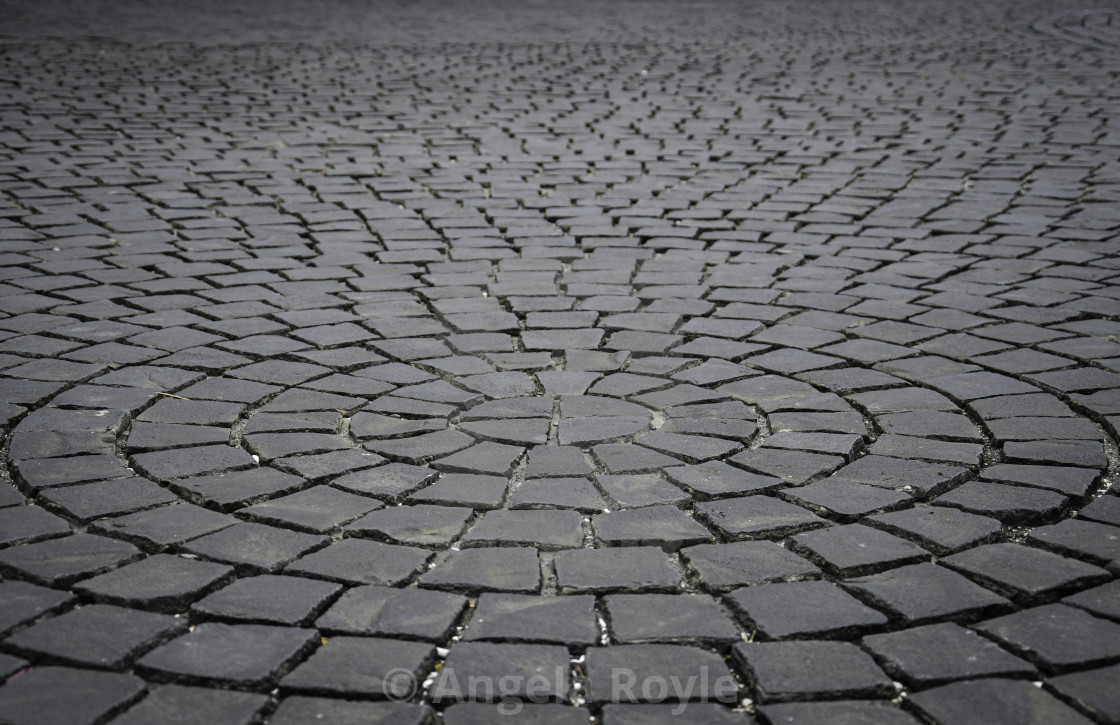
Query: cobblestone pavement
x,y
711,362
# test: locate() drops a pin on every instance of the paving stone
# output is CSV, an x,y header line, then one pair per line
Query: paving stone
x,y
22,524
779,673
602,429
254,545
1105,509
569,620
1064,479
96,635
938,653
626,458
663,525
473,713
326,465
804,608
1087,539
841,713
523,431
295,710
845,500
165,525
482,458
421,524
793,466
623,569
1023,572
46,472
535,671
226,490
65,560
377,610
511,408
359,666
268,599
563,493
238,654
750,517
390,482
192,461
633,491
464,490
856,549
740,563
1103,601
1091,691
162,582
1009,504
937,529
685,618
180,705
66,696
625,674
23,602
318,509
716,479
546,529
1055,635
356,561
562,460
421,448
1086,454
494,569
996,701
922,592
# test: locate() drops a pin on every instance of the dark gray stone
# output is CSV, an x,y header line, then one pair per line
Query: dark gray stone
x,y
178,705
544,529
268,599
534,671
255,545
354,561
360,667
1057,637
624,569
922,592
421,524
682,618
497,569
569,620
665,526
163,582
97,635
241,655
59,562
319,509
783,671
940,653
799,609
385,611
996,701
466,490
630,673
65,696
300,710
752,517
1022,572
741,563
856,549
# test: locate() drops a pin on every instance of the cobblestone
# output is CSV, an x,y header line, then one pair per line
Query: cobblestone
x,y
773,343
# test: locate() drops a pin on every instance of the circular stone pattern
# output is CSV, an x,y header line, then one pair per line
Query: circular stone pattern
x,y
743,362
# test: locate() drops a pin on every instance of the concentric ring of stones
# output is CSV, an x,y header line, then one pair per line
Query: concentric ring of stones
x,y
770,361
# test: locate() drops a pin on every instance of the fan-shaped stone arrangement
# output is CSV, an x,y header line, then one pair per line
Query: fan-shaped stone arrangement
x,y
765,370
